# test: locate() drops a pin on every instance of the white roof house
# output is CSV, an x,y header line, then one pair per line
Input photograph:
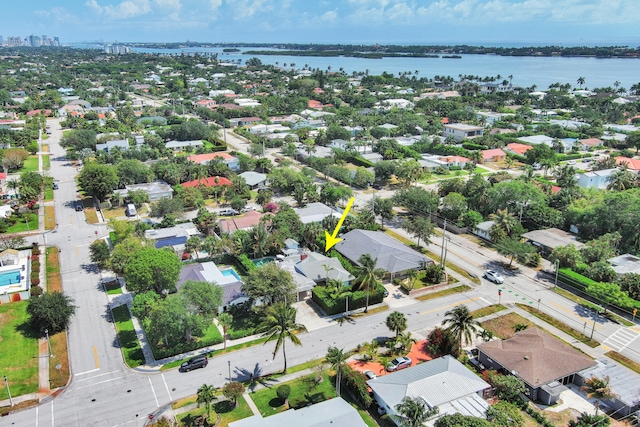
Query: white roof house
x,y
444,383
316,212
596,179
330,413
181,145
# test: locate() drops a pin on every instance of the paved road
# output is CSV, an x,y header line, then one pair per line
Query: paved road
x,y
104,392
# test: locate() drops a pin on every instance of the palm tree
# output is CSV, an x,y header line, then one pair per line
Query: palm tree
x,y
581,81
598,388
397,322
368,275
369,349
225,320
504,220
508,162
621,180
413,412
193,245
280,324
461,324
206,395
337,357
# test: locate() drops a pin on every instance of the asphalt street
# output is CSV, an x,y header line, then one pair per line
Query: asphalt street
x,y
104,392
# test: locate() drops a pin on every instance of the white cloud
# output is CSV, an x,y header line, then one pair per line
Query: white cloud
x,y
124,10
248,8
215,4
57,13
329,16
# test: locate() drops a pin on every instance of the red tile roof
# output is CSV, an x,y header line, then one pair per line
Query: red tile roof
x,y
493,153
250,219
208,182
207,157
632,164
591,142
517,148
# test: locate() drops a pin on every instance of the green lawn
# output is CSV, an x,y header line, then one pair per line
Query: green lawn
x,y
19,359
303,391
46,162
113,287
30,165
21,225
228,413
127,336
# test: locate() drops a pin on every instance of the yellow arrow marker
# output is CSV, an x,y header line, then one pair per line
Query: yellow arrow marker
x,y
331,238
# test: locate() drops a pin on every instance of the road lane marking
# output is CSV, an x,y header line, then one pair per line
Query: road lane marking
x,y
52,418
95,356
587,319
77,252
166,386
86,372
37,407
98,383
154,392
97,376
450,305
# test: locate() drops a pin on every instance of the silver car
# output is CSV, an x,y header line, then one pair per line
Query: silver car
x,y
399,363
493,276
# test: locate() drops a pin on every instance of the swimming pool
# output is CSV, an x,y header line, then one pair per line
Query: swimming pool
x,y
231,272
259,262
9,277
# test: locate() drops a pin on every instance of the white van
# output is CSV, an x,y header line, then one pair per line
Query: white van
x,y
536,166
130,210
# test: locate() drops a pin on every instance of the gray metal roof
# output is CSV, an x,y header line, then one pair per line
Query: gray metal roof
x,y
438,382
316,212
391,255
313,267
253,178
623,381
330,413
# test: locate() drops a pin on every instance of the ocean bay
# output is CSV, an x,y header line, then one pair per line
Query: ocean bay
x,y
526,70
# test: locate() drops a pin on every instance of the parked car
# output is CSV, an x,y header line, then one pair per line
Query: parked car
x,y
79,207
55,185
494,276
370,375
228,212
571,162
194,363
399,363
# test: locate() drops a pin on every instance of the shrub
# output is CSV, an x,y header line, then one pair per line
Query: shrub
x,y
283,391
357,299
434,274
246,263
35,264
35,281
356,382
36,291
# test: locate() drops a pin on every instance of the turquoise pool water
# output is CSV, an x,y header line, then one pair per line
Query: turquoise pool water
x,y
231,272
10,278
259,262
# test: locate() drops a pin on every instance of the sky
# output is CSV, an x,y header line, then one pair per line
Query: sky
x,y
488,22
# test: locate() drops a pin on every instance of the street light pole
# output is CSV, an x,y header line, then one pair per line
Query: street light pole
x,y
229,363
556,263
6,383
594,325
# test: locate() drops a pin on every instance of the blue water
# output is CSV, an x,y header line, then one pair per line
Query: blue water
x,y
231,272
10,278
526,71
259,262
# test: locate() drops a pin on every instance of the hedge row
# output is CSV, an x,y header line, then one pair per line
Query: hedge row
x,y
357,299
575,280
183,347
246,263
346,264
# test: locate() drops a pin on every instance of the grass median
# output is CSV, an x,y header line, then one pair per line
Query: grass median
x,y
127,337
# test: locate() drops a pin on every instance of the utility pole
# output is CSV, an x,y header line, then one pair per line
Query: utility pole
x,y
556,263
444,233
6,383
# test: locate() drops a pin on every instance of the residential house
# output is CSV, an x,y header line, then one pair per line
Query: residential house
x,y
246,102
372,157
254,179
457,161
244,121
122,144
493,155
260,129
244,222
487,88
537,139
212,181
442,383
589,143
596,179
623,382
625,264
341,144
482,229
183,145
518,149
174,237
548,239
304,285
568,124
390,254
461,131
316,212
207,103
227,279
156,190
15,271
205,159
332,412
321,268
543,362
3,181
5,211
388,104
631,163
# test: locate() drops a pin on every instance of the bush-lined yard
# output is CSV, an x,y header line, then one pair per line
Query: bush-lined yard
x,y
127,337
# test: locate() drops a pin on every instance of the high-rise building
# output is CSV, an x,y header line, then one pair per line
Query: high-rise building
x,y
1,41
14,41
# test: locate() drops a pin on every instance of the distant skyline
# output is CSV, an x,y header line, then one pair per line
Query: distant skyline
x,y
488,22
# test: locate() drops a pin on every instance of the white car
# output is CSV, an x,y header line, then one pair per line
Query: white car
x,y
571,162
370,375
493,276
